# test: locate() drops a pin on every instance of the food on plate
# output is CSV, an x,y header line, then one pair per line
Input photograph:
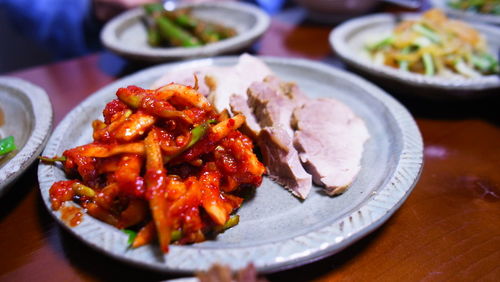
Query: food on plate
x,y
272,102
296,144
332,157
250,89
478,6
180,28
218,83
282,161
163,163
7,145
434,45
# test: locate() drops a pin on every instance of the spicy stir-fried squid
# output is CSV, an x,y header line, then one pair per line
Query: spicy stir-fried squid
x,y
163,162
435,45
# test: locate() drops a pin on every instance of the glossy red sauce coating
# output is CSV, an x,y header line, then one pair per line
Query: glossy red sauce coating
x,y
60,192
72,216
125,183
112,108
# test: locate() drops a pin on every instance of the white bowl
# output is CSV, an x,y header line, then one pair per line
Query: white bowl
x,y
126,34
349,40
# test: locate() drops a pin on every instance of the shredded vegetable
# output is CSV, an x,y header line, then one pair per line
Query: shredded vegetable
x,y
435,46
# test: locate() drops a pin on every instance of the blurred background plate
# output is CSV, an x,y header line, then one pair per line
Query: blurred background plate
x,y
349,39
126,34
276,230
465,15
27,115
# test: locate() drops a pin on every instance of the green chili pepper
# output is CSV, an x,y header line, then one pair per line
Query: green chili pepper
x,y
83,190
7,145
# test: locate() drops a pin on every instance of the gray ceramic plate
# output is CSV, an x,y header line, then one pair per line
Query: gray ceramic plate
x,y
126,34
276,230
29,124
465,15
349,40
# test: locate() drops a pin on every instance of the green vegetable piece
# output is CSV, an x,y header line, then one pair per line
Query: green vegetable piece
x,y
174,34
83,190
153,8
485,63
154,38
231,222
131,236
7,145
185,21
428,64
382,43
404,65
427,32
196,134
176,235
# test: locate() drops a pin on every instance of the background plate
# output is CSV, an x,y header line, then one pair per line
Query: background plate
x,y
465,15
350,38
276,230
126,34
29,124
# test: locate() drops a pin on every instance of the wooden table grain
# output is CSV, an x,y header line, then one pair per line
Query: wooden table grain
x,y
448,228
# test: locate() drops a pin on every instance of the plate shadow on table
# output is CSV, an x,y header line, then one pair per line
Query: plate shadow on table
x,y
18,190
328,265
89,261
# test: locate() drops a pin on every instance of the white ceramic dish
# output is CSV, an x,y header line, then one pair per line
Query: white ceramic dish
x,y
276,231
465,15
126,34
28,117
350,38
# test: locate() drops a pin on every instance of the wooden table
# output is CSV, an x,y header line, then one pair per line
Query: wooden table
x,y
448,228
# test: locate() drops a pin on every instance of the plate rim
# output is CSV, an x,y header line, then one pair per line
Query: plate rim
x,y
262,23
465,15
338,43
43,121
346,230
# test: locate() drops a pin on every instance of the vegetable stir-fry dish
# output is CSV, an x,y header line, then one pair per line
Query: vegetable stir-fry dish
x,y
181,29
478,6
163,164
435,46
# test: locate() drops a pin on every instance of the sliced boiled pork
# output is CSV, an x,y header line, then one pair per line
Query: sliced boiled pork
x,y
272,102
282,161
329,139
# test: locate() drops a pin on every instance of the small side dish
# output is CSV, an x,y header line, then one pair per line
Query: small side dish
x,y
434,45
163,164
476,6
180,28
